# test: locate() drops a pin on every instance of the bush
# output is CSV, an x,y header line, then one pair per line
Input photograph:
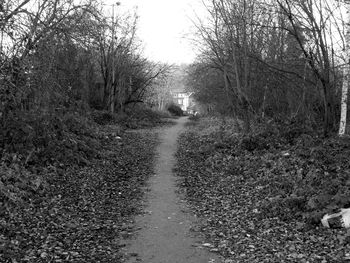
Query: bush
x,y
263,140
102,117
175,109
18,184
194,117
138,116
142,116
42,139
34,145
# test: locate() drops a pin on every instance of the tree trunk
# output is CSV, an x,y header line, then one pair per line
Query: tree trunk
x,y
112,99
264,103
328,109
346,72
344,100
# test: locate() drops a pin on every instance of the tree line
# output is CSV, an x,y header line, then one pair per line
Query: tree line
x,y
285,59
59,54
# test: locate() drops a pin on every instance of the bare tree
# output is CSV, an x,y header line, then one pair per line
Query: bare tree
x,y
242,42
30,30
316,19
276,56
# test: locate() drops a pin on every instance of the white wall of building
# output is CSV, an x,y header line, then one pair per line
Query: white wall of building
x,y
183,99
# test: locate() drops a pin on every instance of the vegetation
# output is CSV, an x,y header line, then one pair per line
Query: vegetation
x,y
69,212
72,80
175,109
260,197
272,59
60,63
95,60
275,73
160,96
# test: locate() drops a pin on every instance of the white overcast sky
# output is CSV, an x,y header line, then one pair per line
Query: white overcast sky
x,y
163,27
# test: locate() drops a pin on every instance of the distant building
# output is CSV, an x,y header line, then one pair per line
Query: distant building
x,y
184,99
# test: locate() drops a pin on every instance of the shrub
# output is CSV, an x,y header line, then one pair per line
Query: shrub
x,y
102,117
175,109
18,184
141,116
137,116
194,117
41,139
33,144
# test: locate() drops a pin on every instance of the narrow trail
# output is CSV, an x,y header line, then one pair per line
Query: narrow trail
x,y
164,230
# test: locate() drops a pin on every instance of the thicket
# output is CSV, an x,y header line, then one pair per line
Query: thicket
x,y
76,212
272,68
307,176
272,184
65,68
301,175
31,145
175,109
271,59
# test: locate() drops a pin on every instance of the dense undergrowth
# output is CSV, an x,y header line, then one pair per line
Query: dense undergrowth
x,y
261,196
69,185
132,118
175,109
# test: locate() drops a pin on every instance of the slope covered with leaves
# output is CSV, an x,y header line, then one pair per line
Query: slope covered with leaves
x,y
261,197
72,199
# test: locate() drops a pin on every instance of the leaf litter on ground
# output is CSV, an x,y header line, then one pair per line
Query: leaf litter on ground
x,y
253,200
84,210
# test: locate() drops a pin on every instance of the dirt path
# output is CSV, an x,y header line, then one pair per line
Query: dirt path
x,y
164,231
